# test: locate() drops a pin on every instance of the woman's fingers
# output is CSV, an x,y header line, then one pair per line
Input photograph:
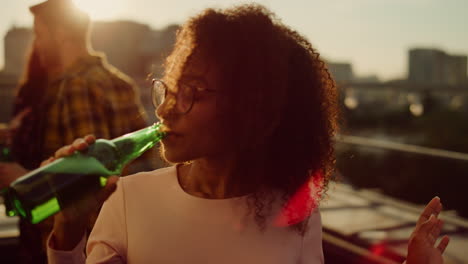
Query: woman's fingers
x,y
90,139
443,244
434,207
437,228
423,232
430,231
47,161
79,144
64,151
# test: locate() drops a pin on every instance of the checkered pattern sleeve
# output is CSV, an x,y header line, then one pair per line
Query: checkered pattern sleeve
x,y
128,113
100,101
84,110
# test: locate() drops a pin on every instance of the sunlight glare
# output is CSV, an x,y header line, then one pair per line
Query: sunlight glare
x,y
101,9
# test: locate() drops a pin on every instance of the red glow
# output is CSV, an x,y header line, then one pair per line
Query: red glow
x,y
302,203
378,249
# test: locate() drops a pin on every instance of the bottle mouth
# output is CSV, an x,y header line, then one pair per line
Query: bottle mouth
x,y
162,129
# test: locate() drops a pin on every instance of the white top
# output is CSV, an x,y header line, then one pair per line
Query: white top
x,y
151,219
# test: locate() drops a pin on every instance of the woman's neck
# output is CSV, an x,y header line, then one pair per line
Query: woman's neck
x,y
211,178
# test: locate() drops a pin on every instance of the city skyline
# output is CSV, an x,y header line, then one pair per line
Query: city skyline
x,y
373,35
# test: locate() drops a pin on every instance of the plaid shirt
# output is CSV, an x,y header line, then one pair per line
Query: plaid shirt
x,y
91,97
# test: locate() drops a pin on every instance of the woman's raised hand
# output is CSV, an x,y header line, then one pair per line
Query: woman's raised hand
x,y
422,247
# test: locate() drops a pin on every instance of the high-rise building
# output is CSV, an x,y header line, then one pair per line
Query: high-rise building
x,y
17,42
341,72
435,67
456,69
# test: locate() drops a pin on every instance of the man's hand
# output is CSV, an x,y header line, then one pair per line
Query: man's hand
x,y
5,136
17,120
421,246
7,130
10,171
70,223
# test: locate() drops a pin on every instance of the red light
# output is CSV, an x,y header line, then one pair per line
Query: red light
x,y
378,249
302,203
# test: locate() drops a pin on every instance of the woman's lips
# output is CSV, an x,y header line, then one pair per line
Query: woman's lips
x,y
171,136
170,132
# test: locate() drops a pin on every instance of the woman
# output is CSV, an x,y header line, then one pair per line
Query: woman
x,y
250,113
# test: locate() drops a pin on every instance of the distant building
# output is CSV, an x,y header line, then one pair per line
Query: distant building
x,y
17,43
132,47
341,72
435,67
456,69
367,79
8,84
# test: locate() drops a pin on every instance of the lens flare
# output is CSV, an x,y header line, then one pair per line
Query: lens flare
x,y
101,9
302,203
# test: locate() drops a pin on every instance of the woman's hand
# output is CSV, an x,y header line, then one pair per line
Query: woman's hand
x,y
421,246
70,224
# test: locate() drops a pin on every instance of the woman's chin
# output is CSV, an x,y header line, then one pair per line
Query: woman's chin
x,y
173,156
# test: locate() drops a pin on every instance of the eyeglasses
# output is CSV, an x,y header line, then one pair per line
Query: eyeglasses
x,y
182,97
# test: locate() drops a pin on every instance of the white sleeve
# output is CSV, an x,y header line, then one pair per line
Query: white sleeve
x,y
107,242
312,251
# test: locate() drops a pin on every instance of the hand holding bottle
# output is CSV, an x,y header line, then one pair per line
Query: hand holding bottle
x,y
77,179
70,223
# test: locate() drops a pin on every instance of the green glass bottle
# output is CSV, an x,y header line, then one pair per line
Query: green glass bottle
x,y
46,190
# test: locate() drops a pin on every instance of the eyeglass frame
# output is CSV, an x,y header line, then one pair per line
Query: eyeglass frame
x,y
155,95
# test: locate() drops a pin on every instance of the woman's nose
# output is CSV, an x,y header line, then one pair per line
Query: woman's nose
x,y
166,109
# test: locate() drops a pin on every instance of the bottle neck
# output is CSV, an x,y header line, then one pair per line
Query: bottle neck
x,y
132,145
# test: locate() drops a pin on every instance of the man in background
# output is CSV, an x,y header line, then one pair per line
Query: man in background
x,y
67,92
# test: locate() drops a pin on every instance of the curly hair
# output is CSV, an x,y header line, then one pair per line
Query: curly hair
x,y
280,97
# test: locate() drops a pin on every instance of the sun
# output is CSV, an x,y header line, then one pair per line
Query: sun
x,y
101,9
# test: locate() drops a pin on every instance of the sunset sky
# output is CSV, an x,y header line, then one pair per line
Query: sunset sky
x,y
374,35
